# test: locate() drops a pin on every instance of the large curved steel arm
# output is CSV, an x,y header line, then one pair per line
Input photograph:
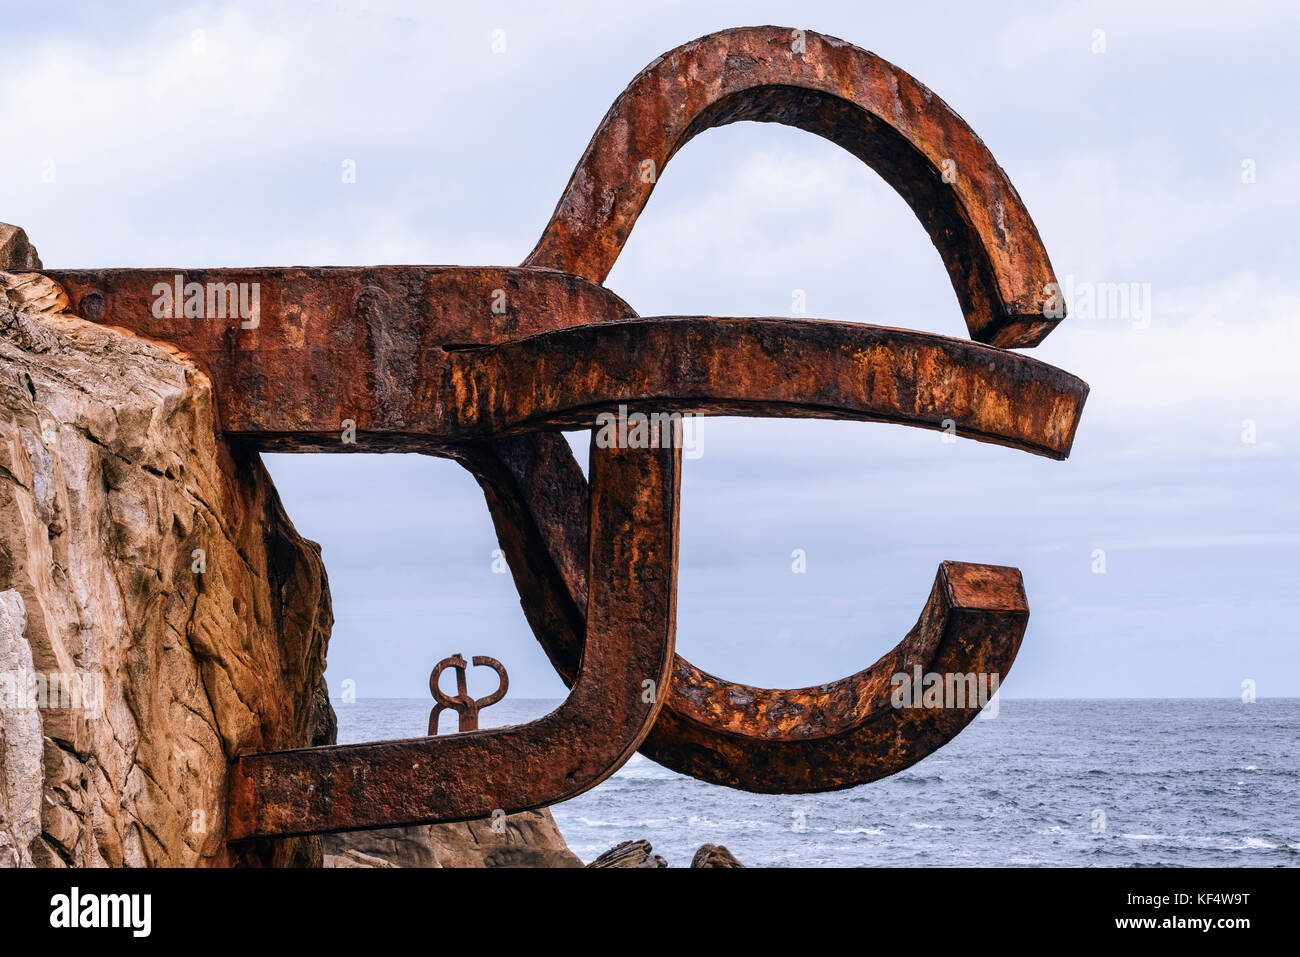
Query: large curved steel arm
x,y
879,113
771,740
996,262
761,367
628,648
802,740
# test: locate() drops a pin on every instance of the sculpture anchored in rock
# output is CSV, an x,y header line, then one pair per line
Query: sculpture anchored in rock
x,y
485,364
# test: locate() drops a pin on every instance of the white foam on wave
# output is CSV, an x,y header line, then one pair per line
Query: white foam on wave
x,y
731,824
1254,843
1206,840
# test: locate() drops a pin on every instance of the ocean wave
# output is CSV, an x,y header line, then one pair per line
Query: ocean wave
x,y
1208,841
1254,843
1022,793
919,778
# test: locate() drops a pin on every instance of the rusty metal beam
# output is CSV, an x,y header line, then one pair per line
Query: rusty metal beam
x,y
628,649
800,740
482,364
806,368
850,731
334,343
412,377
711,728
878,112
995,259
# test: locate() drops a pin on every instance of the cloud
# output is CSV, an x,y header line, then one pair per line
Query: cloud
x,y
229,152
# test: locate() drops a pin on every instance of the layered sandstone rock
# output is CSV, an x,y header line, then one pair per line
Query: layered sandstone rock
x,y
154,599
714,855
527,839
636,853
16,251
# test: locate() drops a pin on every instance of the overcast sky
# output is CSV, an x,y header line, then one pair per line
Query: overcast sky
x,y
1162,150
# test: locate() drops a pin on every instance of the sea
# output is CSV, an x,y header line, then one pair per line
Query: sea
x,y
1074,783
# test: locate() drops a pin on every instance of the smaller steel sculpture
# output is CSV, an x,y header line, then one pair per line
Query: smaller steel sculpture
x,y
466,707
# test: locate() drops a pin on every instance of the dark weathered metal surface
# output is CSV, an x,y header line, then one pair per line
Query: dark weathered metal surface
x,y
465,705
482,364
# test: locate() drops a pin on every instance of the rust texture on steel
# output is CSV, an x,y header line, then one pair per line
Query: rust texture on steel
x,y
629,633
485,364
462,702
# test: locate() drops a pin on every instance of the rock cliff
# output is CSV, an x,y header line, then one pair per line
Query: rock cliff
x,y
158,612
528,839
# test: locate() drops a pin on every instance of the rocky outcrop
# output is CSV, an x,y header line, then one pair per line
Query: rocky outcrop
x,y
158,615
386,847
630,854
158,612
16,251
639,853
20,745
714,855
528,839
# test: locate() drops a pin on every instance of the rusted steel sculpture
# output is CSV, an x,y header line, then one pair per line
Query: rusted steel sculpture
x,y
465,706
484,364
